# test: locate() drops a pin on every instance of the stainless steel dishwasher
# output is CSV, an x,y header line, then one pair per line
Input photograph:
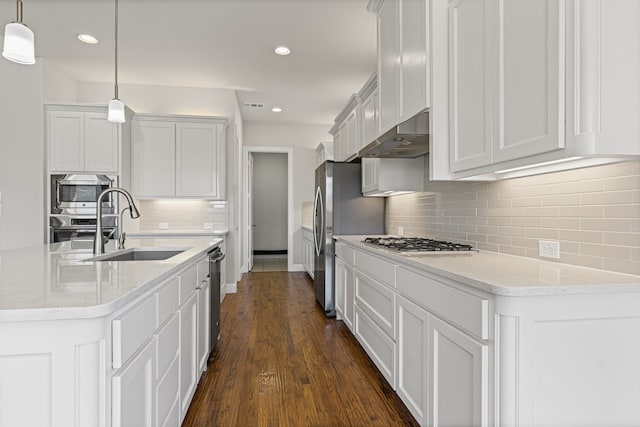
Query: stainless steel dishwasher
x,y
215,257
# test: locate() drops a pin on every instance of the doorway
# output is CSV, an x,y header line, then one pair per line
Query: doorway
x,y
269,211
268,218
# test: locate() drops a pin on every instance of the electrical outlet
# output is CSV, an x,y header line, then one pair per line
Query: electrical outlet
x,y
208,225
163,225
549,249
400,230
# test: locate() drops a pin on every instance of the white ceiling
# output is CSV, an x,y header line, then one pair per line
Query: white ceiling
x,y
217,44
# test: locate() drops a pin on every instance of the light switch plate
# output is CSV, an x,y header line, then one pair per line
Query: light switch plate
x,y
208,225
400,230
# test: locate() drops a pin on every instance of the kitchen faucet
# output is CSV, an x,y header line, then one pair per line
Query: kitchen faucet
x,y
121,234
98,240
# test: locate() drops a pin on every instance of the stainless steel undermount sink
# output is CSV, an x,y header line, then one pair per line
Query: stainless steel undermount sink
x,y
139,254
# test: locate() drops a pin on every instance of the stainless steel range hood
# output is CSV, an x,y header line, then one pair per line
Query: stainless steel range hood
x,y
408,139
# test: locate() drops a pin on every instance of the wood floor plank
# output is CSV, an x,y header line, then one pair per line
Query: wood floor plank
x,y
280,362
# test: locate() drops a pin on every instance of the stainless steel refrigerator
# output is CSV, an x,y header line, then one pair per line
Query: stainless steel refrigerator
x,y
339,209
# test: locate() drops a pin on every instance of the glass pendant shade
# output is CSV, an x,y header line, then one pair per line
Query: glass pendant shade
x,y
18,44
116,111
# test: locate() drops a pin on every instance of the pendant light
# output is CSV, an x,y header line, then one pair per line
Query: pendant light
x,y
18,40
116,107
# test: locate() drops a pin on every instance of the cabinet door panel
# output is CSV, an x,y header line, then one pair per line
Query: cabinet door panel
x,y
369,119
66,141
458,377
349,296
530,96
340,273
196,159
470,95
353,134
101,143
154,159
388,64
188,353
204,315
415,57
413,353
134,392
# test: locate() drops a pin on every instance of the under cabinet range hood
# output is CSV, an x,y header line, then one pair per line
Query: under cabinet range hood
x,y
408,139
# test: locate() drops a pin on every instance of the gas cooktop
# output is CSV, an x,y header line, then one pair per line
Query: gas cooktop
x,y
417,245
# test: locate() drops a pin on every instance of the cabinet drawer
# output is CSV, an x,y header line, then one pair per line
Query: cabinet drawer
x,y
377,344
167,396
470,312
131,329
203,270
188,282
376,267
167,342
168,300
378,301
345,253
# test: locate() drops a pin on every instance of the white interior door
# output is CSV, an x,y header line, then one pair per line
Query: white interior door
x,y
250,213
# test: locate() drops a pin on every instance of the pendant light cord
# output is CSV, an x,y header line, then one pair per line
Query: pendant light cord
x,y
19,11
116,51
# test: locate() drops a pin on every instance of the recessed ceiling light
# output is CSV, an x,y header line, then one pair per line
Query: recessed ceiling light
x,y
87,38
282,50
276,110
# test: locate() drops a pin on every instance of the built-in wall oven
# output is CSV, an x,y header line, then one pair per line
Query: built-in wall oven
x,y
74,205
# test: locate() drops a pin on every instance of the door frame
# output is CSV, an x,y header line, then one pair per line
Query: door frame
x,y
246,150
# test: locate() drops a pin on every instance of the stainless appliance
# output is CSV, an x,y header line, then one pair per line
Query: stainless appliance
x,y
408,139
418,245
340,209
75,194
215,257
73,207
63,228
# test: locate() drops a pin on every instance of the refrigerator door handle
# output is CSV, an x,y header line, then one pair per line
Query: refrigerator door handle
x,y
318,223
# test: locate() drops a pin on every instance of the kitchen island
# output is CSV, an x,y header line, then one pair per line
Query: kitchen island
x,y
102,343
483,338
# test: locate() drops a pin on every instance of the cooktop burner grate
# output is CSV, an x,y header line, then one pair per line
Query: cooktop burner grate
x,y
417,244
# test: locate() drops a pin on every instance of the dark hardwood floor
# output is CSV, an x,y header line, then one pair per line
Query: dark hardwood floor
x,y
281,362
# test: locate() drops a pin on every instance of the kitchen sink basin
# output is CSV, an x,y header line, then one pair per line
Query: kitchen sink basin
x,y
139,254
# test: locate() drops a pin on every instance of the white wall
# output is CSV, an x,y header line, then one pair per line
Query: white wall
x,y
59,86
269,199
21,155
303,139
163,99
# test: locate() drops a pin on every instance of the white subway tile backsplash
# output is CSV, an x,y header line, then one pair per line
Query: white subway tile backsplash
x,y
593,212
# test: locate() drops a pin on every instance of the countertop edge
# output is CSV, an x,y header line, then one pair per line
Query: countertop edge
x,y
500,290
102,310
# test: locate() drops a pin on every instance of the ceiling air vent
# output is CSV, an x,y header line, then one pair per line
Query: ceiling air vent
x,y
253,105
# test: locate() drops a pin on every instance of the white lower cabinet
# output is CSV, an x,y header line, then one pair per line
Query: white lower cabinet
x,y
413,353
168,373
204,314
380,348
458,377
308,251
188,353
340,278
133,391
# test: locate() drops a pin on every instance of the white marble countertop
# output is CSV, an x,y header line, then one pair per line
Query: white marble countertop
x,y
55,282
307,227
510,275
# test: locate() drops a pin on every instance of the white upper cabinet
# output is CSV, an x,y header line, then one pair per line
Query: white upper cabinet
x,y
153,159
533,86
347,131
80,139
178,158
403,59
506,95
